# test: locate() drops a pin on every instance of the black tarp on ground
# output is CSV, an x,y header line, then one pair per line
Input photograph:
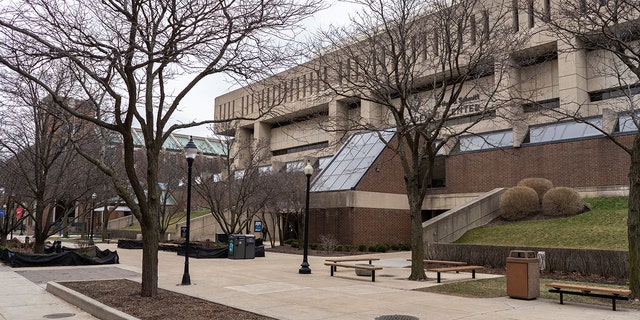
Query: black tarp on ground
x,y
129,244
69,258
194,250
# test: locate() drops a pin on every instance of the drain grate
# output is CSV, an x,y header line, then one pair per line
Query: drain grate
x,y
396,317
59,315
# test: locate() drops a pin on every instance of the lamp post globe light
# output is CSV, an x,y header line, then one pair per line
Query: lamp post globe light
x,y
190,152
304,267
93,206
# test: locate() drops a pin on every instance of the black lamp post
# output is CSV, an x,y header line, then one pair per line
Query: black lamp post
x,y
93,206
190,152
304,267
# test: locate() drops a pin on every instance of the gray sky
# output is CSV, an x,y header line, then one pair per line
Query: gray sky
x,y
198,104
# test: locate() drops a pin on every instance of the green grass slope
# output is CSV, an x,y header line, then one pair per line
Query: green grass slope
x,y
604,227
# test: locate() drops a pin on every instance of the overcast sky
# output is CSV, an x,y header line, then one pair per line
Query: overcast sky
x,y
198,104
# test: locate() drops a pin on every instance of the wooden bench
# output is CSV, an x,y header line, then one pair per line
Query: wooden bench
x,y
340,260
371,268
457,269
582,290
444,262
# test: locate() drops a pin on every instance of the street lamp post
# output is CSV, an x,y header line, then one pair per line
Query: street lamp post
x,y
190,152
304,267
93,205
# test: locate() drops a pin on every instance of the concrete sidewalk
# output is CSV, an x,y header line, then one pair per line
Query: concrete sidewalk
x,y
272,286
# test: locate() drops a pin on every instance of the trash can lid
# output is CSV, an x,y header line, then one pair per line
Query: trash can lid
x,y
522,254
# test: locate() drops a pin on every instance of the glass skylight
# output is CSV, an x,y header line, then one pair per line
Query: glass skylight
x,y
565,131
351,162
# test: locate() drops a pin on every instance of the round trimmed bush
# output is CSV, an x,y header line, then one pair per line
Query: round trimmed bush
x,y
519,202
562,201
540,185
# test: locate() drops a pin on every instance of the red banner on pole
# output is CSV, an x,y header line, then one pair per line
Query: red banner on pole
x,y
18,212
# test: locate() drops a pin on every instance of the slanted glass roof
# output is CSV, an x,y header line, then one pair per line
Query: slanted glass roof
x,y
565,130
486,141
626,123
351,162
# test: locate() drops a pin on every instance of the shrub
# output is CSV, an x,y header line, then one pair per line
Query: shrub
x,y
328,243
382,248
395,247
405,246
540,185
372,249
314,246
562,201
519,202
362,248
295,244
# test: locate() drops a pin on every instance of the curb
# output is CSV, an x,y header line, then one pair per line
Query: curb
x,y
94,307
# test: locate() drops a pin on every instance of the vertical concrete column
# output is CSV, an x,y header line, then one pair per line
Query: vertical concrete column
x,y
508,97
572,77
261,136
508,92
241,148
338,122
371,113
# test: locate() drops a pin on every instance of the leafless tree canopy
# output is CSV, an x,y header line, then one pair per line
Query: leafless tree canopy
x,y
123,57
605,35
431,70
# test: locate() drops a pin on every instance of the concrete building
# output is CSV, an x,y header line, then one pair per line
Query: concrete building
x,y
364,203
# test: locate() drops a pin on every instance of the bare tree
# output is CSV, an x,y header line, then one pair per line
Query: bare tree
x,y
603,37
419,67
125,57
36,134
234,195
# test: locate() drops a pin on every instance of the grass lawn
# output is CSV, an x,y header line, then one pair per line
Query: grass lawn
x,y
604,227
497,287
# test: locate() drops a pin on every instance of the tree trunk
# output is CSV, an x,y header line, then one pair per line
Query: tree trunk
x,y
149,261
633,219
417,246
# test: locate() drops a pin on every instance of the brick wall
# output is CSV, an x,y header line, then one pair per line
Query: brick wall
x,y
360,225
581,163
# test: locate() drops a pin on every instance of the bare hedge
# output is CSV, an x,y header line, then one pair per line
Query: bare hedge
x,y
519,202
606,263
562,201
540,185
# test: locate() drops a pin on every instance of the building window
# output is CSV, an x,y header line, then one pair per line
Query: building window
x,y
264,169
531,13
541,105
617,92
547,10
294,166
485,141
627,123
312,146
516,18
438,176
472,23
238,174
485,24
565,131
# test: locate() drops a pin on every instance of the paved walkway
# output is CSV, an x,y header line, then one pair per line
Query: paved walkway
x,y
272,286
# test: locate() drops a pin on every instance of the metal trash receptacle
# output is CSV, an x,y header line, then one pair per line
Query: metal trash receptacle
x,y
523,275
250,246
236,248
